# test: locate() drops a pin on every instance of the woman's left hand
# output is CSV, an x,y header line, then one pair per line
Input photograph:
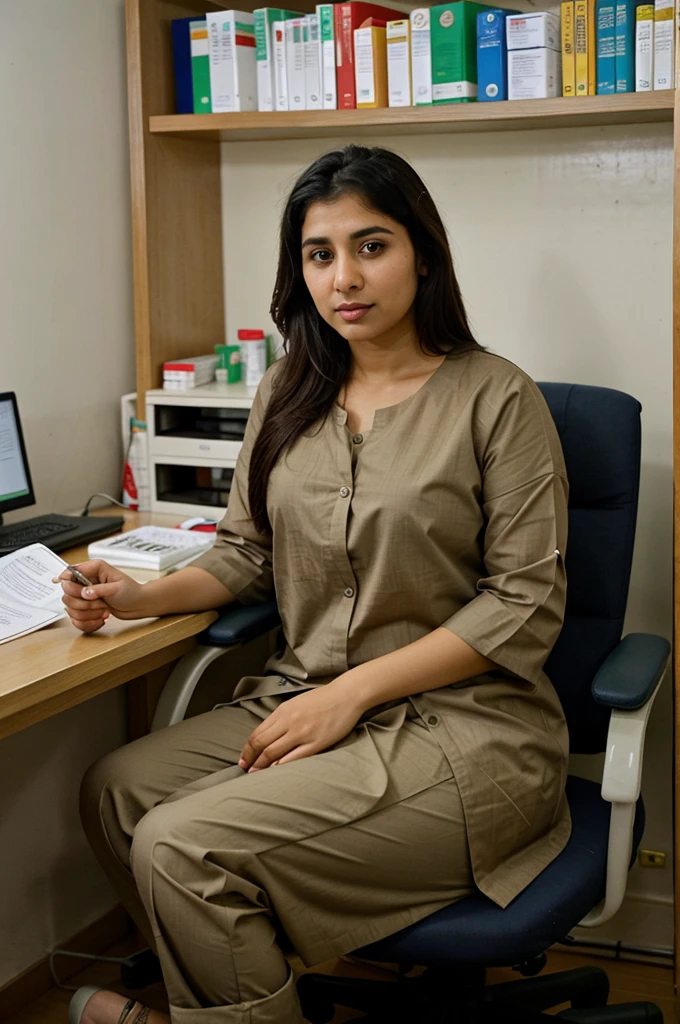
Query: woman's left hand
x,y
301,726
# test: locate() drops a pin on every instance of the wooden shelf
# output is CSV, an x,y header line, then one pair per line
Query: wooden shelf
x,y
628,108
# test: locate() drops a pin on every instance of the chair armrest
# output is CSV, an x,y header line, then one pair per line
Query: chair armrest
x,y
240,623
626,684
236,625
632,672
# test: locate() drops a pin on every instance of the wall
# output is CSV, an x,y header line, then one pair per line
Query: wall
x,y
562,243
65,257
66,348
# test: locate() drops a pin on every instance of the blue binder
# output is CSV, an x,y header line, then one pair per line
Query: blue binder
x,y
625,45
605,15
492,55
181,50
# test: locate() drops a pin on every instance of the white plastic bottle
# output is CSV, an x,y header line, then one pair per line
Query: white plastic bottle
x,y
253,356
136,490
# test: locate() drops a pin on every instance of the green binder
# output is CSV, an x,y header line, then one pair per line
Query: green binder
x,y
200,66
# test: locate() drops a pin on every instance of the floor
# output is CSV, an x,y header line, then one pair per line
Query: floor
x,y
630,982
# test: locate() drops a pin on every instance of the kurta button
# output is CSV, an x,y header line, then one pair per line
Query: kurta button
x,y
349,592
344,491
283,682
358,438
433,720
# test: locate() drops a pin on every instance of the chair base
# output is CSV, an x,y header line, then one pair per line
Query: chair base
x,y
444,995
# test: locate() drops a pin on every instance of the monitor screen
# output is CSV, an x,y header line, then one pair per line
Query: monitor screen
x,y
16,489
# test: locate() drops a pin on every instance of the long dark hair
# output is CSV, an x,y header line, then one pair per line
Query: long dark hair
x,y
318,359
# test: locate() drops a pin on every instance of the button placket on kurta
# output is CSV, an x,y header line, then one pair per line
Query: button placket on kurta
x,y
346,589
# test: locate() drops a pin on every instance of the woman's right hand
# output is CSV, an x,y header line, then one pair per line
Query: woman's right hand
x,y
111,593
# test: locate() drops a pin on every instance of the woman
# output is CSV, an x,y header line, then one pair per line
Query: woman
x,y
403,492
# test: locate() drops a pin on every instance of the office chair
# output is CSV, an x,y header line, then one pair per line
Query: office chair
x,y
607,686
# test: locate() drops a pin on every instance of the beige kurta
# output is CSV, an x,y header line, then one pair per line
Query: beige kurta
x,y
451,511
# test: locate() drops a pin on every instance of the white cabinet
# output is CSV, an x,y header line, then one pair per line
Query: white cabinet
x,y
194,438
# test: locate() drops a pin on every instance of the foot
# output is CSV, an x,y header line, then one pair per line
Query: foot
x,y
106,1007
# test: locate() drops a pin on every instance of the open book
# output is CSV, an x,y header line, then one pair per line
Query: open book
x,y
29,599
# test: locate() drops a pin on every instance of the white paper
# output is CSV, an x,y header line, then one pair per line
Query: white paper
x,y
28,598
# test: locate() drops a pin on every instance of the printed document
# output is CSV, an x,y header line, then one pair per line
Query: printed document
x,y
29,599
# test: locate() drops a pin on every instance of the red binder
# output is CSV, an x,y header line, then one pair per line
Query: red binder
x,y
349,16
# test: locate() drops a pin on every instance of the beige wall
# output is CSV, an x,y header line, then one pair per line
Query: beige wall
x,y
65,263
66,348
562,242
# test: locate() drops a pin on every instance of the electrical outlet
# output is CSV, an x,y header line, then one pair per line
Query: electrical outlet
x,y
652,859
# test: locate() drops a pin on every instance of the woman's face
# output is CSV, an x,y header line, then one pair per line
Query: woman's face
x,y
360,268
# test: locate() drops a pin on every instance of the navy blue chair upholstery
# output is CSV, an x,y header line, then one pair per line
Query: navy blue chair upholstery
x,y
601,439
594,671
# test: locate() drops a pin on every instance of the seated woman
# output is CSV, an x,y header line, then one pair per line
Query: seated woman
x,y
403,493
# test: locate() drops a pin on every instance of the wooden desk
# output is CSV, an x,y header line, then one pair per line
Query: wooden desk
x,y
57,667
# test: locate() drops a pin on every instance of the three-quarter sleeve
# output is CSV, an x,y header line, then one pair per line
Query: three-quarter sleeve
x,y
241,558
517,614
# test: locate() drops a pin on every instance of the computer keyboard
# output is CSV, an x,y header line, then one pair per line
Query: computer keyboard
x,y
40,529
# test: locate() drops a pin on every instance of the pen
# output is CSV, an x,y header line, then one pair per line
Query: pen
x,y
76,577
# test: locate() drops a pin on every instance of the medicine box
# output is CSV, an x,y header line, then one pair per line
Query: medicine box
x,y
200,66
233,63
313,69
370,64
295,63
664,38
492,56
534,30
264,52
453,29
327,34
534,74
625,45
605,35
644,48
421,56
568,57
398,37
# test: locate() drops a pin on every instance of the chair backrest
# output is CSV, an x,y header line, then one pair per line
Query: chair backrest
x,y
601,439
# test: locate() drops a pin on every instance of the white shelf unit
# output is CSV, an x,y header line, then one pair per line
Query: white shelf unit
x,y
182,446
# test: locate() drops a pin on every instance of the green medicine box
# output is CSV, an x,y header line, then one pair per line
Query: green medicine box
x,y
453,30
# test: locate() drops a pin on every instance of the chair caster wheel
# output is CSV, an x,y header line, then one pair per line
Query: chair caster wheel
x,y
532,967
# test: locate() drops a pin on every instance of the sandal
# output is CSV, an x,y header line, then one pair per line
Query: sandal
x,y
82,998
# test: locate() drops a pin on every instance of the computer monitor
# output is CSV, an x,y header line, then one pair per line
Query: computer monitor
x,y
56,531
16,487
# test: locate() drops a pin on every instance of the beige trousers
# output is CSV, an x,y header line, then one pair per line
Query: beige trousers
x,y
218,868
